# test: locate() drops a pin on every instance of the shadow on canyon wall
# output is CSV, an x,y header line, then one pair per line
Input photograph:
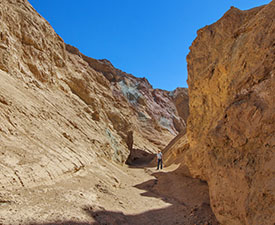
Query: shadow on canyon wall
x,y
139,158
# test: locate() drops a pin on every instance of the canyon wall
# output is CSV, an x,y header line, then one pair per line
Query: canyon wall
x,y
231,132
61,111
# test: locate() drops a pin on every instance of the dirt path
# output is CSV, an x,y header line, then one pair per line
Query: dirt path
x,y
110,194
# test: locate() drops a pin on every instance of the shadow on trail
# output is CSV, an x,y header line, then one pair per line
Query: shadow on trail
x,y
64,223
187,204
188,199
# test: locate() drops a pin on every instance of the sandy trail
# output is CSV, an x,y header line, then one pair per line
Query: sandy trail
x,y
107,193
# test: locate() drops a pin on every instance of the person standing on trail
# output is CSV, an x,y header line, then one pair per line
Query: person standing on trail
x,y
159,158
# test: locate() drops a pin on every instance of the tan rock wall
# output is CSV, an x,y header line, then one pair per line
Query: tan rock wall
x,y
61,111
231,128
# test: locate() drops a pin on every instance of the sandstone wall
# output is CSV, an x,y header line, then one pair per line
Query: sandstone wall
x,y
231,78
60,110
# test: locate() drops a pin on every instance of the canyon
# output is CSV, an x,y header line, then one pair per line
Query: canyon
x,y
79,136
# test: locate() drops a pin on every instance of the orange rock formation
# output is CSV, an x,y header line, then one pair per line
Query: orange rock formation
x,y
231,132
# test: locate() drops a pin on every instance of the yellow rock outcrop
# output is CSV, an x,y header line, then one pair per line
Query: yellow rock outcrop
x,y
231,132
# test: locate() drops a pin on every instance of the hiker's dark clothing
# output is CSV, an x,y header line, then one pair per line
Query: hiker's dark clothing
x,y
159,156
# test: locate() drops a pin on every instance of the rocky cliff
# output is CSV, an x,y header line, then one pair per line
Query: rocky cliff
x,y
60,110
231,132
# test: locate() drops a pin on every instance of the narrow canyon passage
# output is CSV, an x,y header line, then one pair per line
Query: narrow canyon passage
x,y
68,121
107,193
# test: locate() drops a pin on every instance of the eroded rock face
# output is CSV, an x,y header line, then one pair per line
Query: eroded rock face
x,y
231,68
60,110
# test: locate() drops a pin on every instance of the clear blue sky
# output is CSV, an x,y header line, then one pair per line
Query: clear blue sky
x,y
147,38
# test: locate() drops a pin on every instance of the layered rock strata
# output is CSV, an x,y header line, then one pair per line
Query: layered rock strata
x,y
60,110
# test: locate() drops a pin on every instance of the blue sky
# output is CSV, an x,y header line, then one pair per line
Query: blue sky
x,y
147,38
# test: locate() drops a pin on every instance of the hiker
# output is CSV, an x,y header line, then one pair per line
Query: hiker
x,y
159,158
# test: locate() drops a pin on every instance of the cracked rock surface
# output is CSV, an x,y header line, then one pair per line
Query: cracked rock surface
x,y
231,132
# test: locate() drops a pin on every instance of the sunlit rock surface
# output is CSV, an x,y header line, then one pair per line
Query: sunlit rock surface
x,y
60,110
231,69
